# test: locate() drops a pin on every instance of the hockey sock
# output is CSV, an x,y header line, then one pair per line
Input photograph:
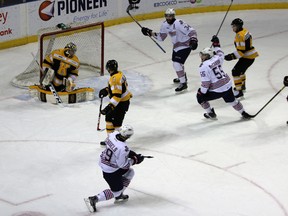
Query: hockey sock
x,y
206,105
243,78
109,127
105,195
237,105
237,82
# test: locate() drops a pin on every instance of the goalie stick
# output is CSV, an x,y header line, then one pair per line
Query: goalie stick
x,y
130,7
51,87
253,116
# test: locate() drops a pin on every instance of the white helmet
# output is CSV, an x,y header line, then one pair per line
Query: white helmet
x,y
126,131
209,52
170,11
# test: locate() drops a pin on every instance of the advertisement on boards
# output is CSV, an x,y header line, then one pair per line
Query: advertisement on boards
x,y
49,13
10,23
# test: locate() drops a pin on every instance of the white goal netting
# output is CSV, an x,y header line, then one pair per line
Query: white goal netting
x,y
89,39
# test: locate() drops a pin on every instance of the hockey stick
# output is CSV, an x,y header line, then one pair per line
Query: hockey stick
x,y
268,102
130,7
51,87
99,116
224,18
148,156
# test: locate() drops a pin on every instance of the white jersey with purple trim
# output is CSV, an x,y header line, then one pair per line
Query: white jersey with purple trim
x,y
180,33
115,156
213,78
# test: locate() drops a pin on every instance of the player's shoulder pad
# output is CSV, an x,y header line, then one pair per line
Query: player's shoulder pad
x,y
116,78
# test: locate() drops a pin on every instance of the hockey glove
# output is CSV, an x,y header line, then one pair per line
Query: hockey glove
x,y
230,57
137,159
193,43
107,109
103,92
146,31
215,41
285,81
131,154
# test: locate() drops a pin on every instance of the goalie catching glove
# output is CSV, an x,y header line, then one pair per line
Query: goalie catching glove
x,y
69,84
146,31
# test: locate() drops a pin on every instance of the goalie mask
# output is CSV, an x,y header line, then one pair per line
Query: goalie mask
x,y
170,15
70,49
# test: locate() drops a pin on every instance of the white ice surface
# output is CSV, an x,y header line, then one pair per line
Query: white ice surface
x,y
228,167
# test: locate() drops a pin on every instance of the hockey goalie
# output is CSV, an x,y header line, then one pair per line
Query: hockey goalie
x,y
60,70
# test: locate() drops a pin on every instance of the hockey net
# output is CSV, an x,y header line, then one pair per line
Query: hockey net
x,y
89,39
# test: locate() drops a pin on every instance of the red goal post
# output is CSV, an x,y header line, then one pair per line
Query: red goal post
x,y
89,39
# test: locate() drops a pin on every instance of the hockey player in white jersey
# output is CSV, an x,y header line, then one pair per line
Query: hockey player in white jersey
x,y
116,162
215,83
184,39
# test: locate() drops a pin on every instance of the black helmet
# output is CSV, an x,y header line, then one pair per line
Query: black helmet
x,y
237,22
112,65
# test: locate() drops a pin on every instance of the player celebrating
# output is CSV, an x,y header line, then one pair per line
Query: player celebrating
x,y
61,68
246,54
119,98
184,39
116,161
215,83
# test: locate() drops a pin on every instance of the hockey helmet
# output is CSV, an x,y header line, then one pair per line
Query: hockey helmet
x,y
207,53
170,12
126,131
237,22
112,65
170,16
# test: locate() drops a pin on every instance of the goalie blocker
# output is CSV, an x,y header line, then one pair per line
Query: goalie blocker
x,y
75,96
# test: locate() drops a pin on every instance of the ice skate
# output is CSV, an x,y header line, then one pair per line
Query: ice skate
x,y
91,203
121,198
211,115
181,87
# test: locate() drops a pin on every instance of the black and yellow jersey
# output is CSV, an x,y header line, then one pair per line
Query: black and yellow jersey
x,y
62,65
118,89
243,44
